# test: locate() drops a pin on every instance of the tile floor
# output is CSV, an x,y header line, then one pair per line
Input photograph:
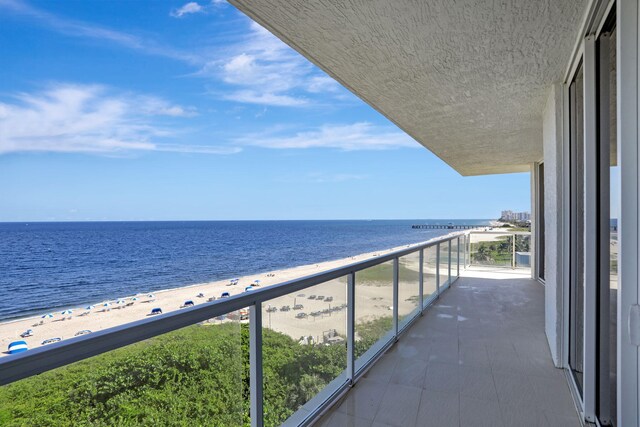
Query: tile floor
x,y
478,357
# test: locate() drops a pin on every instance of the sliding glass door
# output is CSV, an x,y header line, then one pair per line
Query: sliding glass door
x,y
576,228
540,226
609,191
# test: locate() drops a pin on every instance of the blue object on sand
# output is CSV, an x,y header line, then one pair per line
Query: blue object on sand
x,y
18,347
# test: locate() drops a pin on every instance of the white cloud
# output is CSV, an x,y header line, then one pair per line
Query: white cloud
x,y
195,7
91,119
186,9
76,28
152,105
256,97
258,69
266,71
356,136
322,84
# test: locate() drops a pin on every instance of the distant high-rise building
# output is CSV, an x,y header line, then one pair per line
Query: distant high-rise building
x,y
509,215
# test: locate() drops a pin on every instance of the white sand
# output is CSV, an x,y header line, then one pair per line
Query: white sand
x,y
373,301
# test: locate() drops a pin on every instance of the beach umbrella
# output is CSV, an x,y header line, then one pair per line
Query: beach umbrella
x,y
47,316
121,301
256,281
248,288
151,296
134,299
66,312
90,307
106,304
17,347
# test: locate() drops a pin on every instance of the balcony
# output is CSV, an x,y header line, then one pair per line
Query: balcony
x,y
408,337
478,357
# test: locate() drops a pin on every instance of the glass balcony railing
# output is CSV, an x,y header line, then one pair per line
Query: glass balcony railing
x,y
276,355
408,288
500,249
444,264
196,373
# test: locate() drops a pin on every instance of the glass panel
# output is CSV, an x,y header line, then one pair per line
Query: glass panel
x,y
614,196
304,349
373,311
429,273
540,222
444,265
523,250
494,249
408,287
576,289
197,375
454,258
609,200
467,252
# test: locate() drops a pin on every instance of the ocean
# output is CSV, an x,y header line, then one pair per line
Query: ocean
x,y
49,266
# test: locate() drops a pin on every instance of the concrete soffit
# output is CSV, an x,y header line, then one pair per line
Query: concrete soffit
x,y
467,80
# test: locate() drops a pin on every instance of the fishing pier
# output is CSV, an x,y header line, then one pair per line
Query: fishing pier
x,y
445,226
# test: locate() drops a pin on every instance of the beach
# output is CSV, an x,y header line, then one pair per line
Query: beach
x,y
301,315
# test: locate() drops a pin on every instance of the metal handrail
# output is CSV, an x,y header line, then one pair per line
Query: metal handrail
x,y
42,359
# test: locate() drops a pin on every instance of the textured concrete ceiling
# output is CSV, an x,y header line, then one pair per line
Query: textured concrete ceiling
x,y
466,79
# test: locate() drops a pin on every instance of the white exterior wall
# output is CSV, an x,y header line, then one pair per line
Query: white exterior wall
x,y
552,140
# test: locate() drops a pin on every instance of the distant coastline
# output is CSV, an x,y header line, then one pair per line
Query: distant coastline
x,y
66,264
128,310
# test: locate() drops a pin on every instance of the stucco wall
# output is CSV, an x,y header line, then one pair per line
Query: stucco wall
x,y
552,141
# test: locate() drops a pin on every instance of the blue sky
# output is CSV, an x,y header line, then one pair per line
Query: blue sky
x,y
147,110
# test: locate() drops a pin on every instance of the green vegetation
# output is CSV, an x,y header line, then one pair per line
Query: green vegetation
x,y
195,376
516,225
382,275
189,377
498,251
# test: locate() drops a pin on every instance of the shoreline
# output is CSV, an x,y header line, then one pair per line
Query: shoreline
x,y
171,299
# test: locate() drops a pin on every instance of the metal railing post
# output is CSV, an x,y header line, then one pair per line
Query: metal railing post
x,y
458,262
421,281
438,270
396,265
513,251
460,253
351,332
255,365
449,263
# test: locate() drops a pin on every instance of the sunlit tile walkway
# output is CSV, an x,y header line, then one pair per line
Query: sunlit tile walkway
x,y
478,357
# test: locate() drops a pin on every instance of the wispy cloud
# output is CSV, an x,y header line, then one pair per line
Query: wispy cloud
x,y
319,84
187,9
91,119
257,68
263,70
351,137
196,8
75,28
